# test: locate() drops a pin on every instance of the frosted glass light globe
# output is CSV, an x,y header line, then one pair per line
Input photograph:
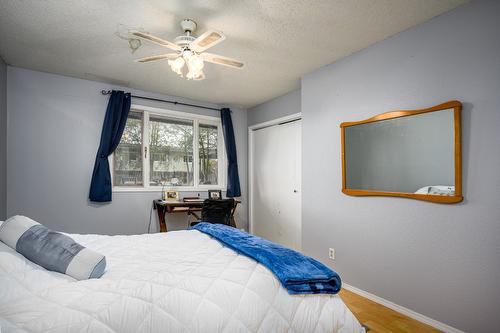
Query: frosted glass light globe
x,y
196,63
176,65
192,75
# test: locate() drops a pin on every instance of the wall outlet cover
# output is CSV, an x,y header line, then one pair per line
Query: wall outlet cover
x,y
331,253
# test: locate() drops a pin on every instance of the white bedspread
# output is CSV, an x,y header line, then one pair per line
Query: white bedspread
x,y
181,281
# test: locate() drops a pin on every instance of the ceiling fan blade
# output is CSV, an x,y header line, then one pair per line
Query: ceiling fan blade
x,y
156,40
221,60
207,40
169,56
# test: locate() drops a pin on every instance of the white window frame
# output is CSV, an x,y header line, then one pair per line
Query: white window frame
x,y
196,119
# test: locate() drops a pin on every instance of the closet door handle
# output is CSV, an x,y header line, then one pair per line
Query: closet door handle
x,y
295,191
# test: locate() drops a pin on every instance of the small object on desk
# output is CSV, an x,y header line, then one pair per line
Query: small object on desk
x,y
171,195
215,194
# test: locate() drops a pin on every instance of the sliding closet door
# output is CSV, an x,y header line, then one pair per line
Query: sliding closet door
x,y
289,187
276,184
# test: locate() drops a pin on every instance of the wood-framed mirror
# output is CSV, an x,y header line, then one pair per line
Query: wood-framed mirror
x,y
412,154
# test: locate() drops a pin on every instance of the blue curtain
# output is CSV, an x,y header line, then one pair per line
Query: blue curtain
x,y
112,130
233,179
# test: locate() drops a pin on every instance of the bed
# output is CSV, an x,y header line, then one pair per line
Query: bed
x,y
180,281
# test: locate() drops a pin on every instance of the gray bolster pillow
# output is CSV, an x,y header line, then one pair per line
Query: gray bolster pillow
x,y
51,250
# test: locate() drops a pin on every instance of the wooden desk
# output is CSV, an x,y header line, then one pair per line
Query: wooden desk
x,y
179,206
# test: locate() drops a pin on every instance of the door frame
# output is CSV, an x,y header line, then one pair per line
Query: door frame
x,y
251,130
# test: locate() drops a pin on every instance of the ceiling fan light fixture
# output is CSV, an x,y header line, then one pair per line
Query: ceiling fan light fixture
x,y
189,51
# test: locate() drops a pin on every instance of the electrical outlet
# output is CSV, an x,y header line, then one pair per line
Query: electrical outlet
x,y
331,253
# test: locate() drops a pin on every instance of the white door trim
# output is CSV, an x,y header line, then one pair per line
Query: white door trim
x,y
251,129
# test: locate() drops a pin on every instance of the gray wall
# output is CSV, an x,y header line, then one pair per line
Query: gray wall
x,y
439,260
276,108
54,130
401,154
3,139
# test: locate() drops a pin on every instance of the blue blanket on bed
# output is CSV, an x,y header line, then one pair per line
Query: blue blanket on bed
x,y
297,273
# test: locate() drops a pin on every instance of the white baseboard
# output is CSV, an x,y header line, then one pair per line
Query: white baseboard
x,y
398,308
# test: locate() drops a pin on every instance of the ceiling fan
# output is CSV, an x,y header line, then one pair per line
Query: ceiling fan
x,y
189,51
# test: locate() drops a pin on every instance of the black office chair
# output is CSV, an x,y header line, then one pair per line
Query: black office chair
x,y
215,211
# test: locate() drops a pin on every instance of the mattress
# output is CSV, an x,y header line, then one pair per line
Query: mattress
x,y
180,281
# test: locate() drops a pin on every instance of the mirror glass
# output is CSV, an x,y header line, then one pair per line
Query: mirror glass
x,y
409,154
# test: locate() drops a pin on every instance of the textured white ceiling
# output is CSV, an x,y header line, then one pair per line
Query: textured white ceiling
x,y
279,40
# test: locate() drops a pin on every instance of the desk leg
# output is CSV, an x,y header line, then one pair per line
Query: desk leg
x,y
233,221
161,217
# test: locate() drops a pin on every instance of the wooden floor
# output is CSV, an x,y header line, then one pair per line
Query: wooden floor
x,y
380,319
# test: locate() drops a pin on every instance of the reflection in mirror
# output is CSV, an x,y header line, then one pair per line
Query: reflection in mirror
x,y
406,153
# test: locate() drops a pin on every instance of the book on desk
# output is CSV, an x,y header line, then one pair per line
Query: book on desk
x,y
193,199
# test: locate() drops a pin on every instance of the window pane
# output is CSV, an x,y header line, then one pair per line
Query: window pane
x,y
171,151
209,166
128,155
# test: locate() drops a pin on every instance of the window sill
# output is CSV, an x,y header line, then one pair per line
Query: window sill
x,y
123,189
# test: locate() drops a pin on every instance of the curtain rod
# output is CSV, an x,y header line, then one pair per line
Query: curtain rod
x,y
108,92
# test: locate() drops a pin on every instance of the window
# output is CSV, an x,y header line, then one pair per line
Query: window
x,y
172,149
127,159
207,143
